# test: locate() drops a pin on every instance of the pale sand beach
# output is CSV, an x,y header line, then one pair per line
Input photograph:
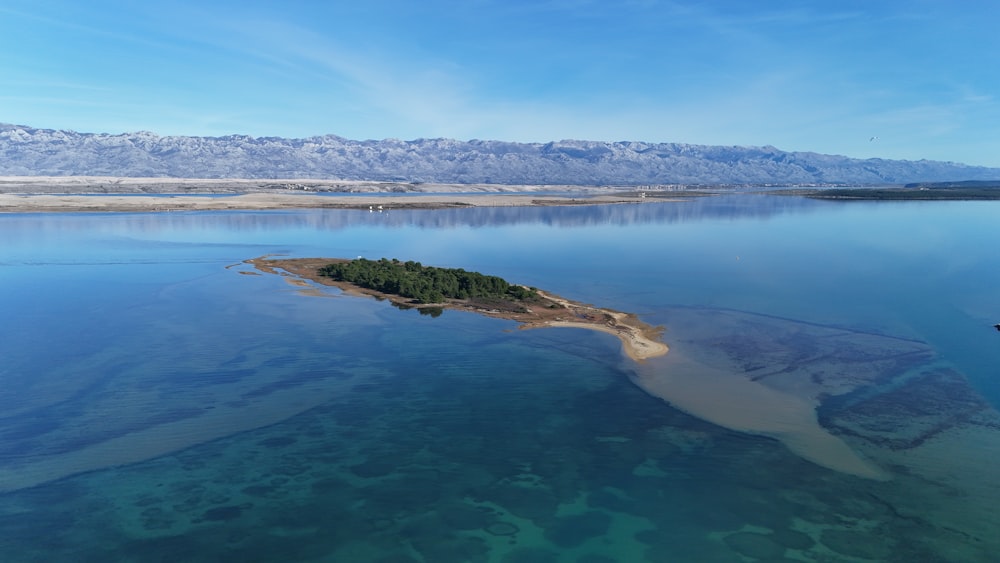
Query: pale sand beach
x,y
639,340
635,344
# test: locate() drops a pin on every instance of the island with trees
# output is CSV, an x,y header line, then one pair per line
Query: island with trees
x,y
432,290
425,284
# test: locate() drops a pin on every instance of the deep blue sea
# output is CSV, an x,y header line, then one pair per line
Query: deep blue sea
x,y
160,400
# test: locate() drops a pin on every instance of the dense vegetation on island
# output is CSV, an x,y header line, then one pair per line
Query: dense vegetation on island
x,y
424,284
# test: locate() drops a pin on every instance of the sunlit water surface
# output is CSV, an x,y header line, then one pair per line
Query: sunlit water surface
x,y
160,402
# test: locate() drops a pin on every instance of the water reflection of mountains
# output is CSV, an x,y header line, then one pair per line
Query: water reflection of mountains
x,y
743,206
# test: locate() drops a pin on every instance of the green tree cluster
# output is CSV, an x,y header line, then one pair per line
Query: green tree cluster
x,y
424,284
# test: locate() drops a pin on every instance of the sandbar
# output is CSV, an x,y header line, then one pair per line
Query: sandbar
x,y
729,399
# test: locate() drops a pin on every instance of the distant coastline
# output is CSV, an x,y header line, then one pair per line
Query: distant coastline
x,y
640,341
937,191
107,194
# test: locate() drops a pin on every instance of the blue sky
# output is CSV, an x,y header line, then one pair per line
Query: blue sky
x,y
823,76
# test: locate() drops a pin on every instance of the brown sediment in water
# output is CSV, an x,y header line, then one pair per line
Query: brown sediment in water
x,y
225,418
727,398
640,341
776,377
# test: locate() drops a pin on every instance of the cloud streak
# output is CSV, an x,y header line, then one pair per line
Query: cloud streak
x,y
802,77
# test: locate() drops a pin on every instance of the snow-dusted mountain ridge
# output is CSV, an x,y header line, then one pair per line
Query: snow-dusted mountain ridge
x,y
26,151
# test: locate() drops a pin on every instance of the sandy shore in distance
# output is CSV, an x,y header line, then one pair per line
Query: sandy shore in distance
x,y
12,203
640,341
100,194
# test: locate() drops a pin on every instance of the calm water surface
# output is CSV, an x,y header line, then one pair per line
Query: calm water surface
x,y
161,402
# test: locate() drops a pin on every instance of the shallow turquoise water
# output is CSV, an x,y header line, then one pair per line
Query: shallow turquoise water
x,y
161,407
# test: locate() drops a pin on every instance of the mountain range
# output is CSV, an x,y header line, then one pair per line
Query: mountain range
x,y
27,151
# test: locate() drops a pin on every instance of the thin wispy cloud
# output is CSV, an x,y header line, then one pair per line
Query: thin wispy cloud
x,y
414,91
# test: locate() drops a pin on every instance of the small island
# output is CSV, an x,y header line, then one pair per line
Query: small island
x,y
431,290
